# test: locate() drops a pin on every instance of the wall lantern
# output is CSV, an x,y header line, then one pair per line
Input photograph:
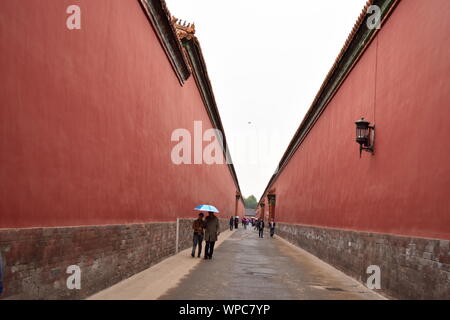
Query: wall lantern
x,y
365,136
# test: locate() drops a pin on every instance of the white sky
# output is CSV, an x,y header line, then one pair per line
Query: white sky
x,y
266,61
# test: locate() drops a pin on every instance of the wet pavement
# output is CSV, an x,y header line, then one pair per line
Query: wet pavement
x,y
247,267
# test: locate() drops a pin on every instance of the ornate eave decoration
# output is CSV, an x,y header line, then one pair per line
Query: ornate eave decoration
x,y
184,29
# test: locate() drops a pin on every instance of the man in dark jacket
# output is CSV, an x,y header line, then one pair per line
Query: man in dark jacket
x,y
261,228
231,223
212,230
198,227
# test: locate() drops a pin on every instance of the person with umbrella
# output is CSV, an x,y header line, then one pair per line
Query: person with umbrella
x,y
198,227
212,229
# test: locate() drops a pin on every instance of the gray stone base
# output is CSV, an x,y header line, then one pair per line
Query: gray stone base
x,y
411,268
35,260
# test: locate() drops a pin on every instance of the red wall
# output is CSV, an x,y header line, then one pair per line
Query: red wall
x,y
86,120
404,88
241,209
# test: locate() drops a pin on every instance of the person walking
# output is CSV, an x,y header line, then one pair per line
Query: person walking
x,y
261,228
236,222
212,230
272,228
198,227
231,223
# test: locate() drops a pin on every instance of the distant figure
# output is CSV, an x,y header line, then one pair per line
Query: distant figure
x,y
261,228
257,225
272,228
236,222
212,230
231,223
198,227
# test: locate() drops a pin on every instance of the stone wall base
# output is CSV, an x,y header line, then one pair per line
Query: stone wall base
x,y
35,260
411,268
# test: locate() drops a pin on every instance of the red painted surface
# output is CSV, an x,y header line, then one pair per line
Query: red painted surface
x,y
404,88
241,209
86,120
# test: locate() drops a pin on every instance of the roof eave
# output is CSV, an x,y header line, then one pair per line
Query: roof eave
x,y
198,66
159,16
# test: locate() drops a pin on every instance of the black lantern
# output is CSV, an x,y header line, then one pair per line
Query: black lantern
x,y
365,136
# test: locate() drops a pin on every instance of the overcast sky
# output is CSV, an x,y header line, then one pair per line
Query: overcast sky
x,y
266,61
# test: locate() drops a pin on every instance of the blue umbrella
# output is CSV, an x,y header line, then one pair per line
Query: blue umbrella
x,y
206,207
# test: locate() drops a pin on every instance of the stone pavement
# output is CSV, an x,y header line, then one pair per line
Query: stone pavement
x,y
150,284
247,267
244,267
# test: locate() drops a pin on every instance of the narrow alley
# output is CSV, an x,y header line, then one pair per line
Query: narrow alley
x,y
243,267
131,129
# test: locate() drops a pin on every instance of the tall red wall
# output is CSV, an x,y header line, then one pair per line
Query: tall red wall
x,y
402,85
86,120
241,209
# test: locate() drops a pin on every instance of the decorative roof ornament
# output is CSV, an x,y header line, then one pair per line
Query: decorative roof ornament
x,y
184,29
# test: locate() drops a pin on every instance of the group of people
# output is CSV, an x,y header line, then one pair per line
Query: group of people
x,y
207,229
234,222
258,224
